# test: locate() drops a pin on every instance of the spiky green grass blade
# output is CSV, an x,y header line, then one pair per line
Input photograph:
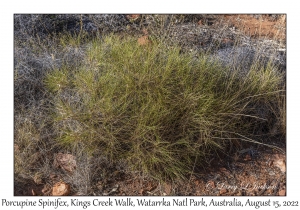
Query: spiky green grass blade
x,y
159,109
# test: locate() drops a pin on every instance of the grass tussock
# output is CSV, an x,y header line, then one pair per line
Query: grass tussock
x,y
161,110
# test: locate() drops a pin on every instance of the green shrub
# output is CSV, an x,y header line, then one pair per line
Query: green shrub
x,y
159,109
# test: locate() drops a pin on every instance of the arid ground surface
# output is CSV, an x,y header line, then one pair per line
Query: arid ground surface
x,y
246,169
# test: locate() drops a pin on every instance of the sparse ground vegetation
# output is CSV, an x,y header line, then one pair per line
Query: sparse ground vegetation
x,y
155,98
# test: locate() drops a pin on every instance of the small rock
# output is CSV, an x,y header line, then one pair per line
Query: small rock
x,y
223,191
281,193
60,189
279,162
210,184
